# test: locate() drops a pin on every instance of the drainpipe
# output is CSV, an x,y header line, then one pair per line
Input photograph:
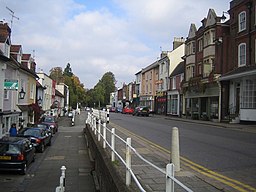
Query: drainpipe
x,y
220,95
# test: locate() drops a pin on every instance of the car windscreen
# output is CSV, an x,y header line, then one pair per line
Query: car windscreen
x,y
49,119
32,132
7,148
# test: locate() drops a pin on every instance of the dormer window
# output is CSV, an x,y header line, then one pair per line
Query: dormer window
x,y
242,21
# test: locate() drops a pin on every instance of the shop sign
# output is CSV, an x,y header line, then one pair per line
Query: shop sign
x,y
11,84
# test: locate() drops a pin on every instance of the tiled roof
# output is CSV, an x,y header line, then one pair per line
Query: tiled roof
x,y
15,48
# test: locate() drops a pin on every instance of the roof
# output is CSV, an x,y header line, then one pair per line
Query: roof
x,y
180,68
58,93
240,71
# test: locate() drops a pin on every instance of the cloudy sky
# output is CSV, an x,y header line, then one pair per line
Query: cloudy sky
x,y
97,36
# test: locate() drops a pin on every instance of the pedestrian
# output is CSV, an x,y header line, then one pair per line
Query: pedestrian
x,y
13,130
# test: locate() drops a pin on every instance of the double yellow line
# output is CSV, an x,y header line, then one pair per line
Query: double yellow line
x,y
237,185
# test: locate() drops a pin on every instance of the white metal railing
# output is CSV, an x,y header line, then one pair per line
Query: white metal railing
x,y
96,124
103,115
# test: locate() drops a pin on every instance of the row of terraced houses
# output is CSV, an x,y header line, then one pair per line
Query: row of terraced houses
x,y
25,94
209,75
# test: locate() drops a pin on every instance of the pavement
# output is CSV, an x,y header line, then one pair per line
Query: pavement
x,y
68,149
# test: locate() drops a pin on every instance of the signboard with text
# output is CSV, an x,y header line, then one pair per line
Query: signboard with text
x,y
11,84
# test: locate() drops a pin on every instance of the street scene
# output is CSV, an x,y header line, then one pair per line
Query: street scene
x,y
128,96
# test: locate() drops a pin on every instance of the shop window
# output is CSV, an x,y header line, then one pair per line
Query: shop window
x,y
249,95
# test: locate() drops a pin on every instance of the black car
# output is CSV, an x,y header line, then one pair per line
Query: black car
x,y
38,136
16,153
141,110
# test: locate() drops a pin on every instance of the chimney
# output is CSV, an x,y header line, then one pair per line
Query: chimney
x,y
178,41
5,30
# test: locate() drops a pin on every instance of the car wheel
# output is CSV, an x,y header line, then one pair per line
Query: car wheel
x,y
24,169
50,142
41,148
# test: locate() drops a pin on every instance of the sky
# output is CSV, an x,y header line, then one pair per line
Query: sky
x,y
98,36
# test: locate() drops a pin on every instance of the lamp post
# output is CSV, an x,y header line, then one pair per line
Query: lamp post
x,y
22,93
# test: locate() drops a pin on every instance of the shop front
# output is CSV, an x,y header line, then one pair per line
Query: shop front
x,y
147,101
203,105
161,103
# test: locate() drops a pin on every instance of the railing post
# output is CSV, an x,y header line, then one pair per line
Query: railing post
x,y
104,135
95,127
99,129
113,144
128,161
175,150
93,123
169,176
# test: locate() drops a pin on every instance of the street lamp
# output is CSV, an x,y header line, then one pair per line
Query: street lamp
x,y
22,93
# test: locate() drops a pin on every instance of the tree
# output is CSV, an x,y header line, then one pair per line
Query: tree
x,y
56,74
108,81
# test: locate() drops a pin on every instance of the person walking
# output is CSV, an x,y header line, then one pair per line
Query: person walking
x,y
13,130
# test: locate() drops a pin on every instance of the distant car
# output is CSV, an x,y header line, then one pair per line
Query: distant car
x,y
128,110
16,153
141,111
50,120
39,137
112,109
119,110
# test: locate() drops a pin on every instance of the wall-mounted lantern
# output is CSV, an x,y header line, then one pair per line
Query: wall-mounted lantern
x,y
22,93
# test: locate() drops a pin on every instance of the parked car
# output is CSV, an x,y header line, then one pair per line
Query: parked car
x,y
119,110
112,109
47,127
38,136
128,110
16,153
52,121
141,111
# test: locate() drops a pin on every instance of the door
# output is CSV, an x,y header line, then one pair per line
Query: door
x,y
237,109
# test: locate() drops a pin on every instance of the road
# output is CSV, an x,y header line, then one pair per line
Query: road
x,y
228,152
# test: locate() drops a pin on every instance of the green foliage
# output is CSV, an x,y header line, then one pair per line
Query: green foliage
x,y
99,96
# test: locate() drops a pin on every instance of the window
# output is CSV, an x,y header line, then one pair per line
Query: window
x,y
193,47
6,94
174,83
32,88
249,94
242,21
200,44
242,54
193,71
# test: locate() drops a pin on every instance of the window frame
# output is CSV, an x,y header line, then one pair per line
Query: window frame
x,y
242,21
241,57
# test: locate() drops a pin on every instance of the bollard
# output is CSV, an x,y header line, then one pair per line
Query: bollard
x,y
175,151
107,115
61,188
128,161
